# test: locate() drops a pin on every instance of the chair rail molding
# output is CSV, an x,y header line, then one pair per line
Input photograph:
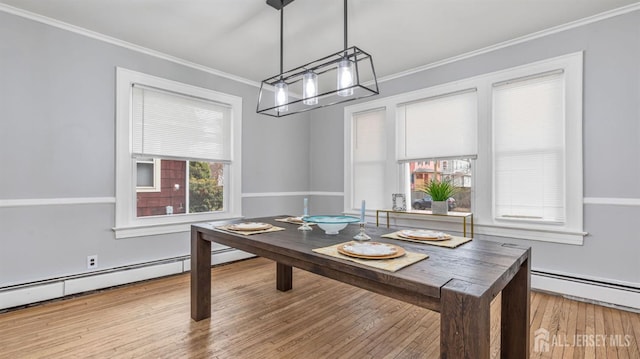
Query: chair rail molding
x,y
25,202
289,194
612,201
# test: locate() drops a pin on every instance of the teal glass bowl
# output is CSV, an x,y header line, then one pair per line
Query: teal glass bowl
x,y
332,224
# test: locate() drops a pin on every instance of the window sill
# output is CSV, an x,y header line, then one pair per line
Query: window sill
x,y
143,230
449,224
561,236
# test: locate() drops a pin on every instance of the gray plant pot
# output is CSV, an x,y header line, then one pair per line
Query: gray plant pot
x,y
439,207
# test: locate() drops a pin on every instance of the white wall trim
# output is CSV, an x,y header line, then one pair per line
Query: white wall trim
x,y
112,40
455,225
542,235
288,194
55,201
612,201
553,30
86,284
329,194
273,194
22,295
28,202
583,278
600,294
31,293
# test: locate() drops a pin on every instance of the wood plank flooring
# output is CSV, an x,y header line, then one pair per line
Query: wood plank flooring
x,y
319,318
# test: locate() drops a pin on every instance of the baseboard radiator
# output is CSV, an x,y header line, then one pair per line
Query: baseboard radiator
x,y
602,293
35,292
625,297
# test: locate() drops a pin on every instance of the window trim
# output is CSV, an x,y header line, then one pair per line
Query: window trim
x,y
571,232
127,224
571,64
392,169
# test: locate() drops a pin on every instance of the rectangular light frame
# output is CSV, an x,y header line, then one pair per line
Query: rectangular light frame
x,y
365,83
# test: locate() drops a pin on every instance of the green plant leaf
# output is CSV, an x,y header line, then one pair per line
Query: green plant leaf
x,y
439,190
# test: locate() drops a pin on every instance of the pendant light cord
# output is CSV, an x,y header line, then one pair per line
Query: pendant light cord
x,y
281,38
345,28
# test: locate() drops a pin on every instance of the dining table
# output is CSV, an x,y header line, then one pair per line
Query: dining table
x,y
459,283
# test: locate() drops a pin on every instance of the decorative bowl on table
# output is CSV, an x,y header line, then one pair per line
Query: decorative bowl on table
x,y
332,224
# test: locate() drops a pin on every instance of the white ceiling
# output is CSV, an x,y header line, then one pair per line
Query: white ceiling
x,y
241,37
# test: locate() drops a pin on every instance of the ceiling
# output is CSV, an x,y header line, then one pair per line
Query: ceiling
x,y
241,37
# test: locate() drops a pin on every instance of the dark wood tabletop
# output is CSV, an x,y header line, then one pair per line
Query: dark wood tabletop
x,y
457,282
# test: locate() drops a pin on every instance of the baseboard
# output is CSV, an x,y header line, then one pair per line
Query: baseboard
x,y
608,295
61,287
31,294
616,296
86,284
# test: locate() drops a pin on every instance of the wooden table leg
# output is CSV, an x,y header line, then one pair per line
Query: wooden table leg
x,y
284,277
464,321
516,297
200,277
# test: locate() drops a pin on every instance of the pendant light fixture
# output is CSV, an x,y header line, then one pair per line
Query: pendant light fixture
x,y
343,76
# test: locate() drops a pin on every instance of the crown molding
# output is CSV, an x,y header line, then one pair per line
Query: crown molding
x,y
553,30
112,40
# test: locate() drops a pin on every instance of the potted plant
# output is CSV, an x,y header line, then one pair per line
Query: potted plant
x,y
440,192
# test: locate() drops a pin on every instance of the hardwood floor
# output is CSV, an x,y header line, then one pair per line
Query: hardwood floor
x,y
319,318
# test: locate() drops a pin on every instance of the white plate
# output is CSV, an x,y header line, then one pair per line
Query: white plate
x,y
370,249
423,233
250,226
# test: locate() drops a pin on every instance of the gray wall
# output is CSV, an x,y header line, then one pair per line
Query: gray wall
x,y
57,138
611,140
57,122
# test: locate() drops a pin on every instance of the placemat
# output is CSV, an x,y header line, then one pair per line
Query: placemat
x,y
390,265
286,220
449,243
246,233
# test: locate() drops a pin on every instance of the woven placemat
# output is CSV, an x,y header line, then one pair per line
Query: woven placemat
x,y
390,265
449,243
247,233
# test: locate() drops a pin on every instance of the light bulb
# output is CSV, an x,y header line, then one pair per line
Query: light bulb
x,y
310,88
282,96
345,77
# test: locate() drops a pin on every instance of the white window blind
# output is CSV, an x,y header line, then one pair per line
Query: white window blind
x,y
369,158
529,148
178,126
440,126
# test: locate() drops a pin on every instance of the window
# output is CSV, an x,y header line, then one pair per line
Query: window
x,y
528,148
510,140
533,151
438,126
437,137
148,178
178,155
202,192
457,171
369,157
